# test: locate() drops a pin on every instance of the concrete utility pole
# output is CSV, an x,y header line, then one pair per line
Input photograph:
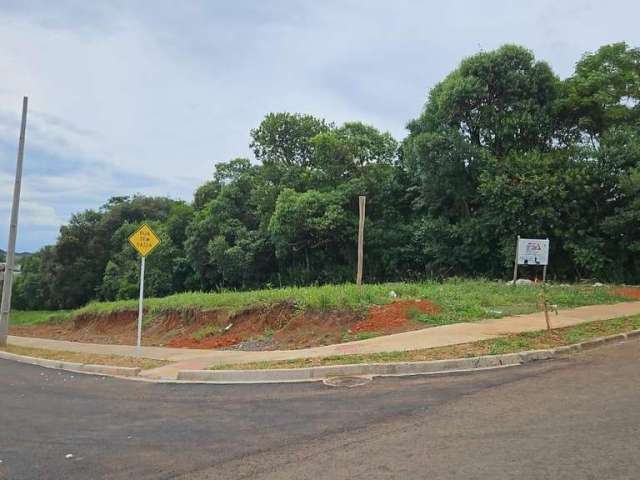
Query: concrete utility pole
x,y
13,230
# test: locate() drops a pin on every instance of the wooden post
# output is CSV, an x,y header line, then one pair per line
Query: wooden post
x,y
542,297
515,262
362,200
546,311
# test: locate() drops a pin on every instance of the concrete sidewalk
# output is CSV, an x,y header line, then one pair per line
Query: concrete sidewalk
x,y
194,359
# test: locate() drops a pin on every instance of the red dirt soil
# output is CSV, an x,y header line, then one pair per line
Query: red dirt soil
x,y
243,325
313,329
393,317
272,327
632,293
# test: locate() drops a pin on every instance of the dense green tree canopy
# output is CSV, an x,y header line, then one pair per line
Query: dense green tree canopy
x,y
502,148
604,91
285,139
501,100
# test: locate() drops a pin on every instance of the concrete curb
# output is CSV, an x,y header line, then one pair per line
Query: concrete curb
x,y
109,370
435,367
315,374
312,374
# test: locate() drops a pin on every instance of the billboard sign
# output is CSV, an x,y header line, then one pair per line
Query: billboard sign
x,y
532,251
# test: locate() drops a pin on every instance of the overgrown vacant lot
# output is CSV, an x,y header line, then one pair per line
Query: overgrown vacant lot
x,y
301,317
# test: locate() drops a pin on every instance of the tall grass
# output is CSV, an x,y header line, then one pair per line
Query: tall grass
x,y
460,300
33,317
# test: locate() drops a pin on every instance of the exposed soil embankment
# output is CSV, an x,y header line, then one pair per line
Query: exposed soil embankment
x,y
395,317
632,293
279,326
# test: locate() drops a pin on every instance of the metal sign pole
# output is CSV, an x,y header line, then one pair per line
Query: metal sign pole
x,y
515,263
143,240
138,349
5,308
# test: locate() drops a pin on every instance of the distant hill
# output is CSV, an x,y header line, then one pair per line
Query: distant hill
x,y
19,255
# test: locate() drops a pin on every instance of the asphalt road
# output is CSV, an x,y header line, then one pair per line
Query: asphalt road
x,y
575,418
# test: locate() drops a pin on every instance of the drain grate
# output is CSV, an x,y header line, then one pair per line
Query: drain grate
x,y
347,382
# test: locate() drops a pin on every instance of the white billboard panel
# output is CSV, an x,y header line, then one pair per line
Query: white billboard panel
x,y
532,251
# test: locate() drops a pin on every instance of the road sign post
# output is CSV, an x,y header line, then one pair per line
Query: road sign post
x,y
140,306
144,240
5,308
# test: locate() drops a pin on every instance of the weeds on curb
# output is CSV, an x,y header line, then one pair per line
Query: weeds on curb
x,y
85,358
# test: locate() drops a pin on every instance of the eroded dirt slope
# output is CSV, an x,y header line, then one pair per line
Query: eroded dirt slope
x,y
279,326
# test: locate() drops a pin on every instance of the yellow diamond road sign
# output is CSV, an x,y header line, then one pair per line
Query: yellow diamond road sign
x,y
144,240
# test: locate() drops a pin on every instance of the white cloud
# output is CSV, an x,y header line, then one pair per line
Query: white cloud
x,y
33,212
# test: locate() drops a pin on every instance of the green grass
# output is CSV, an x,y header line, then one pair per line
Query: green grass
x,y
508,344
207,331
268,332
33,317
461,300
563,336
414,314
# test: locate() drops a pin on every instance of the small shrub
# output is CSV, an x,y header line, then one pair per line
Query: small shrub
x,y
207,331
413,313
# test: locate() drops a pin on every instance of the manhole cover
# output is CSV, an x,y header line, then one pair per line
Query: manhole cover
x,y
346,381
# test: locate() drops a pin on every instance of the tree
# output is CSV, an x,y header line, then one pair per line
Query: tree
x,y
602,234
604,91
525,195
225,242
501,100
344,152
205,193
284,139
486,121
309,231
448,169
32,290
86,245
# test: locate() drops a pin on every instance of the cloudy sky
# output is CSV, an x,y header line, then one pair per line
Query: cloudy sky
x,y
146,96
